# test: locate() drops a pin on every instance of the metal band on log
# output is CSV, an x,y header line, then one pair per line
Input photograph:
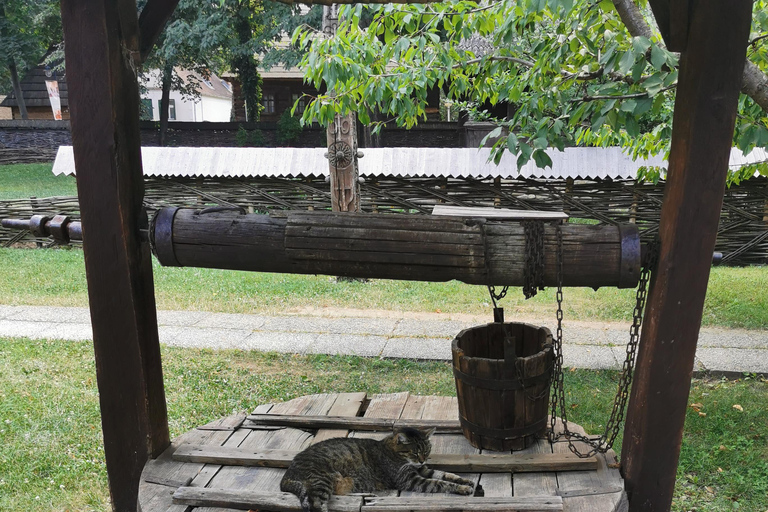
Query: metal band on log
x,y
419,248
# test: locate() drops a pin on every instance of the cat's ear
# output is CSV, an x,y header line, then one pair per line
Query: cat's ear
x,y
402,438
428,432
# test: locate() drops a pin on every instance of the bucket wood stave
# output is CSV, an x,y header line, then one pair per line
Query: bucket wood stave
x,y
502,374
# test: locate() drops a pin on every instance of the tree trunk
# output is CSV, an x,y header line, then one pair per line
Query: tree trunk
x,y
165,101
17,88
247,68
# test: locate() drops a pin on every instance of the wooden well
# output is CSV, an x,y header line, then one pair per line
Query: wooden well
x,y
503,372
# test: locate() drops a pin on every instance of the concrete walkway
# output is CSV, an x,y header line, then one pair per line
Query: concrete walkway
x,y
381,334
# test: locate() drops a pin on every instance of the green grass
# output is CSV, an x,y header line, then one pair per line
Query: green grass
x,y
33,180
56,277
52,456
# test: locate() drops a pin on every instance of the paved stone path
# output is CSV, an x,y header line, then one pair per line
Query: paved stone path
x,y
380,334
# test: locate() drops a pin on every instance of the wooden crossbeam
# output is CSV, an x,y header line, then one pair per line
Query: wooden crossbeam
x,y
152,21
285,502
457,463
350,423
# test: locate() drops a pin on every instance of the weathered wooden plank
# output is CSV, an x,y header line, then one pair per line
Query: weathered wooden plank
x,y
461,462
711,68
535,484
161,476
241,499
389,258
346,404
460,503
266,478
496,462
295,233
447,445
367,423
229,423
374,221
383,406
574,485
370,243
413,410
494,213
104,108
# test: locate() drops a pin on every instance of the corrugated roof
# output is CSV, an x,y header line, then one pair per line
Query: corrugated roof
x,y
585,163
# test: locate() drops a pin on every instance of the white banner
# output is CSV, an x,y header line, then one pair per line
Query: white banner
x,y
53,95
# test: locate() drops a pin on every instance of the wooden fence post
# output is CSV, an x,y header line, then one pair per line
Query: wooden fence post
x,y
705,110
104,107
342,143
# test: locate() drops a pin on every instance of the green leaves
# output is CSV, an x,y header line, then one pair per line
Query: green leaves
x,y
569,71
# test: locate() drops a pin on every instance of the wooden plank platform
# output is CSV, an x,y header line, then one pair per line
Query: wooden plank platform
x,y
236,463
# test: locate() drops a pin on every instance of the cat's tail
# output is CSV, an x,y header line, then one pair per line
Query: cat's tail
x,y
297,488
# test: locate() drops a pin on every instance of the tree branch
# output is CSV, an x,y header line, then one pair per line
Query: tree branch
x,y
631,16
619,96
758,38
754,83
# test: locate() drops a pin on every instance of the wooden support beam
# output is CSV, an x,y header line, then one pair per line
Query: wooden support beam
x,y
672,20
152,21
705,112
104,106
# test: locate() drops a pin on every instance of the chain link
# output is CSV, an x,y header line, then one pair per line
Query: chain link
x,y
533,273
604,442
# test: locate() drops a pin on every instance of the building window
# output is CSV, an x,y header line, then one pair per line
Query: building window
x,y
171,110
145,110
268,101
302,103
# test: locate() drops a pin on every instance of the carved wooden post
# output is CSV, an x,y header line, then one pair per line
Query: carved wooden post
x,y
711,67
104,106
342,143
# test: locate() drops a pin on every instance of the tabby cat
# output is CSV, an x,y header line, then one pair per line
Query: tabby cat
x,y
351,465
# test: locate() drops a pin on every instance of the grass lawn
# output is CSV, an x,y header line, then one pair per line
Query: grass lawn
x,y
21,181
52,457
56,277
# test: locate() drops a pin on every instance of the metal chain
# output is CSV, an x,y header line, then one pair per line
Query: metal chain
x,y
604,442
497,296
533,273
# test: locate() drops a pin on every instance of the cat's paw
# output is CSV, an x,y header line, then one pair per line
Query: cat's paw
x,y
465,490
479,492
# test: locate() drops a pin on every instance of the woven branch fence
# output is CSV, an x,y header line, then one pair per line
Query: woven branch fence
x,y
742,236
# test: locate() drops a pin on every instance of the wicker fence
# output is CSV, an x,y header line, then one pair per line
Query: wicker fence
x,y
742,237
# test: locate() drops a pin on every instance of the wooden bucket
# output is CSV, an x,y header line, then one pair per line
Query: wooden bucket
x,y
503,372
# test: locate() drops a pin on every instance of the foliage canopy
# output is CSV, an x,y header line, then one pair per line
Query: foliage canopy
x,y
575,73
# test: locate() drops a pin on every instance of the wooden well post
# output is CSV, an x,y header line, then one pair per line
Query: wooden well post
x,y
102,50
712,37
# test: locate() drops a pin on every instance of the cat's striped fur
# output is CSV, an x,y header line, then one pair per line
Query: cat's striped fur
x,y
351,465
